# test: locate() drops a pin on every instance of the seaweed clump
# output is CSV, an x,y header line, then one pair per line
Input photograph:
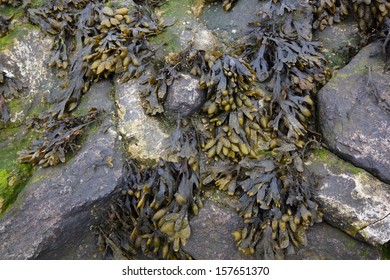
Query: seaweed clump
x,y
10,88
57,139
152,210
370,13
107,41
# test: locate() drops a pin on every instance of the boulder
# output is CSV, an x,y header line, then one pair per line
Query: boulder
x,y
184,97
350,198
52,216
143,134
354,112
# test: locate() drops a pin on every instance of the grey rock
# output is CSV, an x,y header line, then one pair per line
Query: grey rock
x,y
144,134
354,117
328,243
340,42
184,98
350,198
27,58
211,230
52,216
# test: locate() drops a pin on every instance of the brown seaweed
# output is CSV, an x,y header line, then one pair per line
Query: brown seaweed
x,y
152,212
107,41
57,139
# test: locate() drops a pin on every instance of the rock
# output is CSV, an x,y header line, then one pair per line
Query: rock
x,y
350,198
354,116
211,230
328,243
205,40
52,216
184,98
143,133
27,58
340,42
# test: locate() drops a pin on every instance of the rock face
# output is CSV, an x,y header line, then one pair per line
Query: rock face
x,y
184,98
143,133
354,112
350,198
52,216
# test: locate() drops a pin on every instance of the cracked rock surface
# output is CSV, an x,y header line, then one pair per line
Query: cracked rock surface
x,y
350,198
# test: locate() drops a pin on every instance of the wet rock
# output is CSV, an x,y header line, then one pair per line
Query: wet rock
x,y
27,58
328,243
354,112
143,133
340,42
52,216
184,98
211,230
350,198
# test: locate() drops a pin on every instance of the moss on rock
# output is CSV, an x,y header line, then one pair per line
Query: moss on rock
x,y
337,165
13,175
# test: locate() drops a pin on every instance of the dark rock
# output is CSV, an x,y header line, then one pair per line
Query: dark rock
x,y
354,112
52,216
184,98
211,230
340,42
350,198
328,243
